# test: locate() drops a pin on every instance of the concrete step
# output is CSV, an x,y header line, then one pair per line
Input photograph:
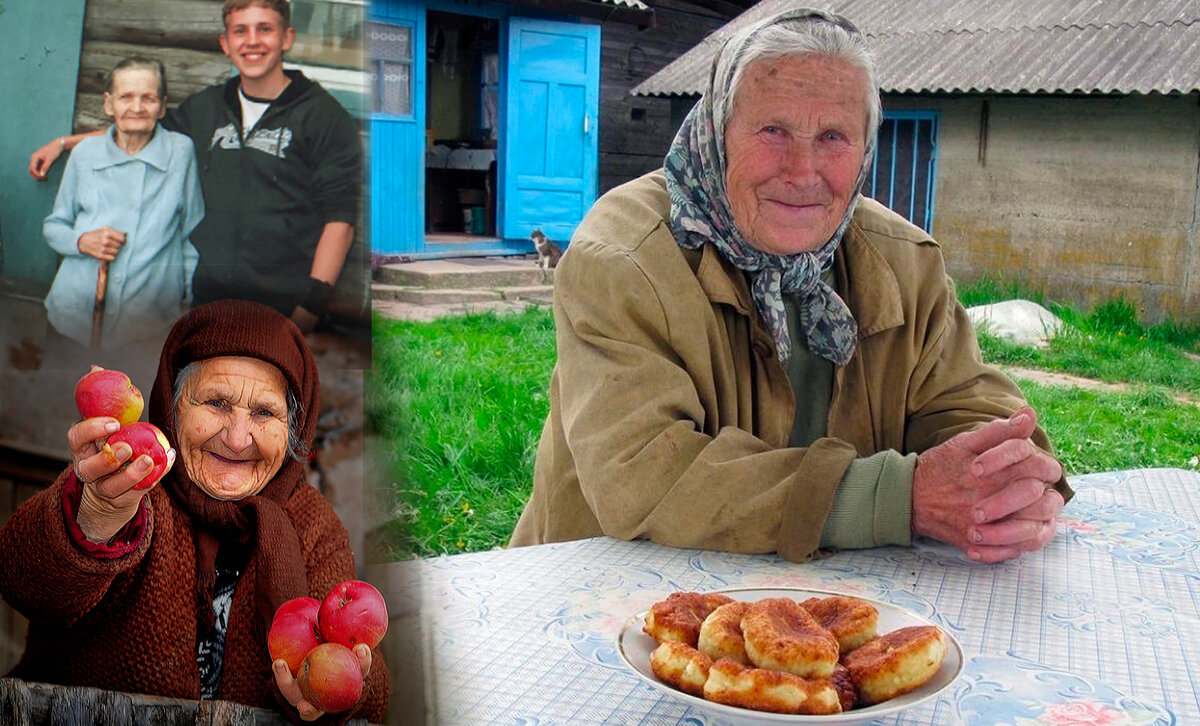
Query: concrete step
x,y
452,296
532,293
432,296
465,273
408,311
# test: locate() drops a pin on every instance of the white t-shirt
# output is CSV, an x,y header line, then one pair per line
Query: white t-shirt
x,y
252,111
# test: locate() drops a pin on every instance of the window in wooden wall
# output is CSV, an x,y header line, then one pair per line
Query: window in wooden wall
x,y
390,58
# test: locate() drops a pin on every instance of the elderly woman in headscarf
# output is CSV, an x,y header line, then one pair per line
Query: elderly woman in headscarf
x,y
171,592
752,357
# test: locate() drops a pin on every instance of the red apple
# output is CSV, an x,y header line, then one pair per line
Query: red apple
x,y
144,438
294,631
330,677
108,393
353,612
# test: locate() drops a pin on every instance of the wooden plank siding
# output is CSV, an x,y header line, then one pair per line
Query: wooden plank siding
x,y
188,71
22,475
180,33
33,704
635,132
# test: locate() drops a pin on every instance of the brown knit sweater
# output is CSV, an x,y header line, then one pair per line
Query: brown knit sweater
x,y
129,624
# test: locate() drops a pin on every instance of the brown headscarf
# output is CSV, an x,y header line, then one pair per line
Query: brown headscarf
x,y
250,329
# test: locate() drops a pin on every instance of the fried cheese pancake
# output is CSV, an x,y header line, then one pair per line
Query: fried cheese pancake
x,y
679,616
721,633
734,684
682,666
896,663
782,636
850,620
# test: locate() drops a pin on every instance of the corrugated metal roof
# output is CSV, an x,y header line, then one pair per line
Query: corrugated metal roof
x,y
999,46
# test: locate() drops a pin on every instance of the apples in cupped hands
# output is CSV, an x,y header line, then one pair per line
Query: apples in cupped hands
x,y
294,631
330,678
352,613
104,392
144,438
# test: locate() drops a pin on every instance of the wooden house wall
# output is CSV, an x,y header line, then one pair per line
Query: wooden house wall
x,y
180,33
22,475
635,132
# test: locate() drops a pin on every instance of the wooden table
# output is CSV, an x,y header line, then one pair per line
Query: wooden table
x,y
1101,627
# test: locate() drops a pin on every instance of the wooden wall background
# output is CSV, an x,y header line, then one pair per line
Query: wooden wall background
x,y
180,33
635,132
22,474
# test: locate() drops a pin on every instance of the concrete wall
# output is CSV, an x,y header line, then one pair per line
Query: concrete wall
x,y
39,59
1083,198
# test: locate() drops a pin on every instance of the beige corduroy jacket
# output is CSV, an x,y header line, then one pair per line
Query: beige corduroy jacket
x,y
670,413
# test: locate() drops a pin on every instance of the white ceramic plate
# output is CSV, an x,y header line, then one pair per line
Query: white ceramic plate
x,y
635,648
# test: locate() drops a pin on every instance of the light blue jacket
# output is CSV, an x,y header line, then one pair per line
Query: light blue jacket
x,y
153,197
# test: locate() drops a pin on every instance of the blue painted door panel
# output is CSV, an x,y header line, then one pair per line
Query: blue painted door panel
x,y
553,92
397,129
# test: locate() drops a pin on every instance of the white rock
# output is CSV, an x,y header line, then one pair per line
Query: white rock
x,y
1022,321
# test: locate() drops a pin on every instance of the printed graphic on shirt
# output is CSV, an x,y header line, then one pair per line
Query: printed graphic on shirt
x,y
269,141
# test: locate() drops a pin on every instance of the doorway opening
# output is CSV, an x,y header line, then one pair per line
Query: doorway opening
x,y
461,128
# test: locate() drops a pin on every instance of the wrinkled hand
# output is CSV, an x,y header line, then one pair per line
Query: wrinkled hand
x,y
41,160
103,243
989,491
109,500
291,690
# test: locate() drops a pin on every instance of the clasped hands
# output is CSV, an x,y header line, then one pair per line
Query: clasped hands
x,y
989,492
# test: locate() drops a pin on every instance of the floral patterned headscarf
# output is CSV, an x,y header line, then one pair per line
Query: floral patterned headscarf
x,y
700,212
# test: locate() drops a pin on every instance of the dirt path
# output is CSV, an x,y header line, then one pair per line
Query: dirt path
x,y
1065,379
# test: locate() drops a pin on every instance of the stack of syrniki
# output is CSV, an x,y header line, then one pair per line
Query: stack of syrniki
x,y
819,656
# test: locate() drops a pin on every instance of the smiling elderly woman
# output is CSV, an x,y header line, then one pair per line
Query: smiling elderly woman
x,y
128,201
171,592
753,357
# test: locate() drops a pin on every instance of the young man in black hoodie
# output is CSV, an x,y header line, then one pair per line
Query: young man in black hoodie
x,y
281,170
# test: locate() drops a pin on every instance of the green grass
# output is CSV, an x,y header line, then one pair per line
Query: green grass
x,y
458,405
455,408
1107,343
1098,431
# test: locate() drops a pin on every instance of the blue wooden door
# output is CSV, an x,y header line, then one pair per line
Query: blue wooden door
x,y
396,75
902,175
552,94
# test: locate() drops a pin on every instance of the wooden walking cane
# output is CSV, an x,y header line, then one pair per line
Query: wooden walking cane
x,y
98,308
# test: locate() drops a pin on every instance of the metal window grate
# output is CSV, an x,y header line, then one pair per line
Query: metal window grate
x,y
902,174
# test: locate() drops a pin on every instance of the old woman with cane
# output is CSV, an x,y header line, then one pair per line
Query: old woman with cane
x,y
126,205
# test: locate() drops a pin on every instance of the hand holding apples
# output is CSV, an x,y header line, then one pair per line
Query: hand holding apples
x,y
321,652
115,469
328,679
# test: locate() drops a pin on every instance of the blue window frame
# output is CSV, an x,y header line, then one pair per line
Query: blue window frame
x,y
903,172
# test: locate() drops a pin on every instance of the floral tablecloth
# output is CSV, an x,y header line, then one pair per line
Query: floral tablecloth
x,y
1100,628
